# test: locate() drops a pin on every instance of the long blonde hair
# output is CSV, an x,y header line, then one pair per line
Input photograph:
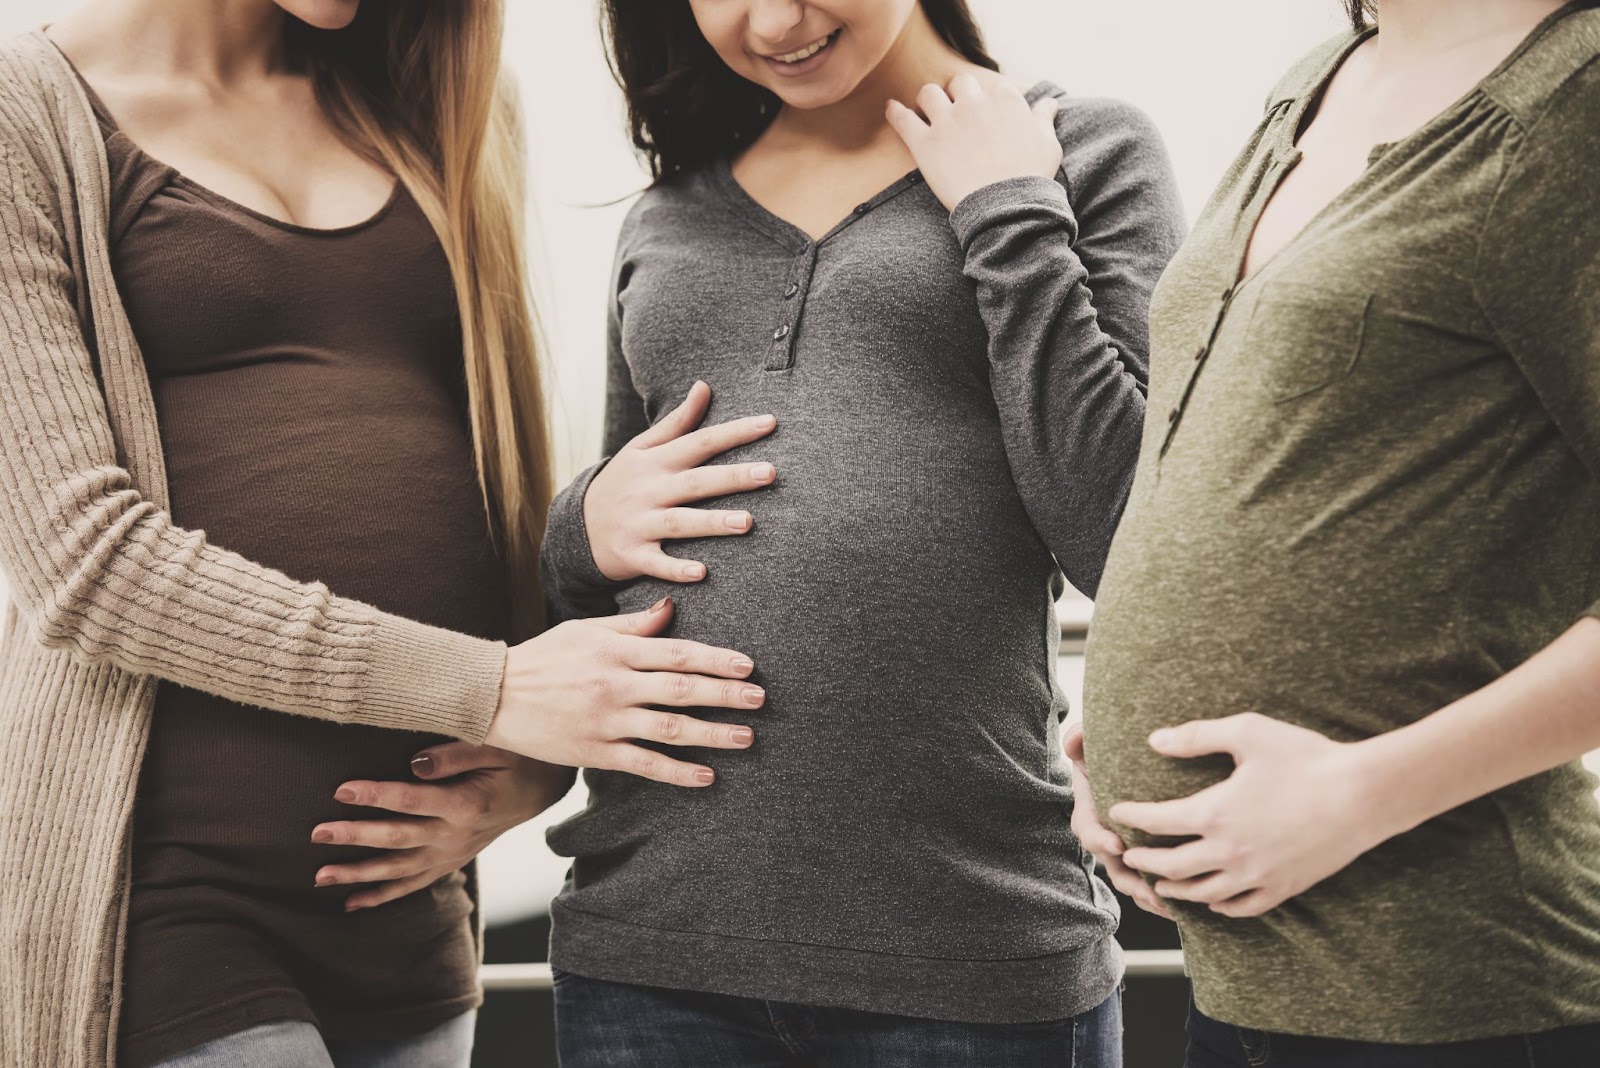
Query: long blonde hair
x,y
417,85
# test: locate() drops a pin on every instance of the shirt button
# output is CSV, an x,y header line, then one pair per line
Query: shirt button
x,y
1172,416
1199,354
781,333
790,290
862,209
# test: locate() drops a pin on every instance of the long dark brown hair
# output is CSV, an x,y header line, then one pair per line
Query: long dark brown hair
x,y
686,108
1362,12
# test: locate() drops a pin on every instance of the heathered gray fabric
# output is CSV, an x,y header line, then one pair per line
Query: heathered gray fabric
x,y
956,415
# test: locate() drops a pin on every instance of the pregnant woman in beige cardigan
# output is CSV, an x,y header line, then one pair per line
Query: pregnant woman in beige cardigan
x,y
271,441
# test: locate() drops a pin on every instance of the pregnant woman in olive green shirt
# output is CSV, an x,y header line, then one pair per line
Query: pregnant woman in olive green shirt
x,y
1358,565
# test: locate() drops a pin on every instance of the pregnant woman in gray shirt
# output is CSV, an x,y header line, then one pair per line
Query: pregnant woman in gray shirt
x,y
885,874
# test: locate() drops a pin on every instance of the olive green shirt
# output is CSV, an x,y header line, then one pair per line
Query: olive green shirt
x,y
1368,487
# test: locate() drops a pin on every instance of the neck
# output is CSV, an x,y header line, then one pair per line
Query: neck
x,y
1419,30
216,41
918,56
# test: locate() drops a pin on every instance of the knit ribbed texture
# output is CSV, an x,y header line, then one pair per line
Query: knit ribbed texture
x,y
108,596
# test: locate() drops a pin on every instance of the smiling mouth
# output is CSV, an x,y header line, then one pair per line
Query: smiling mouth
x,y
802,54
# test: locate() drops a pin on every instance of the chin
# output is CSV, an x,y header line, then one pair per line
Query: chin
x,y
322,14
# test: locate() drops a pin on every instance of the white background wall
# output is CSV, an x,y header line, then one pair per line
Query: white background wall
x,y
1201,70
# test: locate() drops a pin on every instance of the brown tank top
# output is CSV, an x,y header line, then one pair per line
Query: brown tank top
x,y
310,393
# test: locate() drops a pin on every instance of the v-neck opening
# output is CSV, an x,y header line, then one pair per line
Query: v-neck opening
x,y
1287,153
786,232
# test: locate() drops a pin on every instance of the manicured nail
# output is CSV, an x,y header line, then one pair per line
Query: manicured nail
x,y
345,794
659,605
765,421
743,666
705,775
754,695
324,880
738,521
743,735
322,834
1160,737
762,472
422,766
695,571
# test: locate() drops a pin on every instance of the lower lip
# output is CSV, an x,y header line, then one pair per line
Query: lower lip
x,y
807,65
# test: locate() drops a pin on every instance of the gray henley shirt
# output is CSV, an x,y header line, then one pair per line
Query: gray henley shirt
x,y
959,399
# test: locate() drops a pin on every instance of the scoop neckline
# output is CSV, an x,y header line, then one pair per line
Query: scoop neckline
x,y
205,192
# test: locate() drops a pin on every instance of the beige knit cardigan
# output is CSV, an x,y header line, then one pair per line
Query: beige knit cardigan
x,y
108,596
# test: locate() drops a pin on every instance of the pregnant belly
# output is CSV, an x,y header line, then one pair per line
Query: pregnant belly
x,y
229,794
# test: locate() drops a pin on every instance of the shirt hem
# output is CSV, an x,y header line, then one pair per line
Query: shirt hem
x,y
1023,990
1244,1010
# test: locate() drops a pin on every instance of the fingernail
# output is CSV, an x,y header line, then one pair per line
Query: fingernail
x,y
422,766
353,908
324,880
695,571
705,775
743,666
322,834
659,605
743,735
738,522
762,472
345,794
754,695
1160,737
765,421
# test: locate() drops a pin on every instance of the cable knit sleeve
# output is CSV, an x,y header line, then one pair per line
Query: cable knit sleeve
x,y
97,568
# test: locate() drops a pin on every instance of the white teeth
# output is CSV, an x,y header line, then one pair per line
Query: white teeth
x,y
807,52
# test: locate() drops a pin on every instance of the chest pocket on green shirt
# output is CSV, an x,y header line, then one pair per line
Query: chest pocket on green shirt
x,y
1304,338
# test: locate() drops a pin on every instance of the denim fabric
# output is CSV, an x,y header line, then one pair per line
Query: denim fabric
x,y
601,1024
297,1044
1218,1045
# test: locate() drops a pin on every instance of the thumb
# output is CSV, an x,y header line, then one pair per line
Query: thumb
x,y
1072,742
678,422
1045,111
1202,736
458,758
646,624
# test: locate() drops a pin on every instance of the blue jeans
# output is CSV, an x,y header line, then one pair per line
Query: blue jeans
x,y
1219,1045
297,1044
600,1024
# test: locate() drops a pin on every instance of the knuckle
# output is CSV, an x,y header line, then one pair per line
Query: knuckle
x,y
644,763
672,522
682,686
394,837
693,482
669,727
680,653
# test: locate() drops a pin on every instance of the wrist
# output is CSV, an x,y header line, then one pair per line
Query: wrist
x,y
1389,789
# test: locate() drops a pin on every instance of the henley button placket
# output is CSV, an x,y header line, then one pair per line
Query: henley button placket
x,y
780,351
1224,302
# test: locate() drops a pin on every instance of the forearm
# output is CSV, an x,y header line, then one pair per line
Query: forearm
x,y
572,579
1541,715
1070,398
